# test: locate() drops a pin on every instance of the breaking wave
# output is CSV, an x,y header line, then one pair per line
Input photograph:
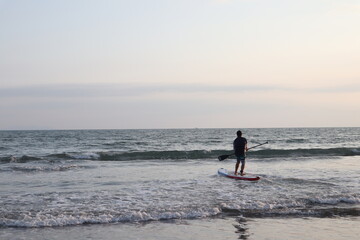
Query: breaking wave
x,y
270,153
183,155
55,217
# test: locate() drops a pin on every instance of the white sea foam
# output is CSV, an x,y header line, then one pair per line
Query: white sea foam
x,y
86,156
45,219
336,200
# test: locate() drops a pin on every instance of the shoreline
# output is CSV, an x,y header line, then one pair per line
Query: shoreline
x,y
339,228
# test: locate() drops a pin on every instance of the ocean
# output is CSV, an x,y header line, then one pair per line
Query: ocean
x,y
163,184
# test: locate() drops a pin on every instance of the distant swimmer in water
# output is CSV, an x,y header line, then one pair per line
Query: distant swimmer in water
x,y
240,147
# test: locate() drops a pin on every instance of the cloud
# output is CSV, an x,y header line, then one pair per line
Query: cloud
x,y
117,90
175,105
69,91
133,90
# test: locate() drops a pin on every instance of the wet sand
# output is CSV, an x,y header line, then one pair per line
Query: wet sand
x,y
215,228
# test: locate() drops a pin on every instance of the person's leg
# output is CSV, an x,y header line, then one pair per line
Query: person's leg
x,y
237,166
242,166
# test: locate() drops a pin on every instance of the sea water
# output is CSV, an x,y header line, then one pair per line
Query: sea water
x,y
77,178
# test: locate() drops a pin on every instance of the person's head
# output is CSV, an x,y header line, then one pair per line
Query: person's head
x,y
239,133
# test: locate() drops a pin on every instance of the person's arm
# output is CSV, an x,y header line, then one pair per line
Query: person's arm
x,y
246,148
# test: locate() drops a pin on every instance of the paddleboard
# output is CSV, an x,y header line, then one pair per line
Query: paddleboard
x,y
230,174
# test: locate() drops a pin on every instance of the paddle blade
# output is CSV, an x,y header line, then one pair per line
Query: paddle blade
x,y
223,157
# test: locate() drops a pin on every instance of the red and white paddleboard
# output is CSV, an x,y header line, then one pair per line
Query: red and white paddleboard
x,y
247,177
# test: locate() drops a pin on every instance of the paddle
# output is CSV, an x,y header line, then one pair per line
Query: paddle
x,y
223,157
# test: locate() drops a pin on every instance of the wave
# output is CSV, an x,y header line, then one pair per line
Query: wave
x,y
185,155
56,168
157,155
334,201
59,218
21,159
311,207
297,212
297,140
212,154
313,152
56,217
60,156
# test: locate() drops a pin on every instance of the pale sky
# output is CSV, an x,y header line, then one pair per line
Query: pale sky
x,y
86,64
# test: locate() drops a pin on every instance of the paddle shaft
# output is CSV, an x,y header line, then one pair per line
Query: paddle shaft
x,y
253,147
223,157
258,145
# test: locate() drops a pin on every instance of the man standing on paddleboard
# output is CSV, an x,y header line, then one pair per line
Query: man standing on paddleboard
x,y
240,146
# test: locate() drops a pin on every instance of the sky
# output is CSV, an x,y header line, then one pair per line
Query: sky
x,y
116,64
